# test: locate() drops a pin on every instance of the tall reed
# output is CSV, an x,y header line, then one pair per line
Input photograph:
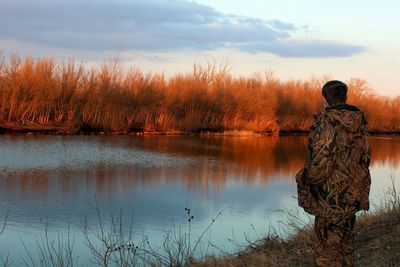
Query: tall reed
x,y
40,94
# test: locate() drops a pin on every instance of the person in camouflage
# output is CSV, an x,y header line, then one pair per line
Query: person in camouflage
x,y
335,181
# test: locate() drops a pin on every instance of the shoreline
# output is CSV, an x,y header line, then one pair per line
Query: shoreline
x,y
376,243
36,129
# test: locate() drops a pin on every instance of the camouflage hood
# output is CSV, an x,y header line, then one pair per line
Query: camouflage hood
x,y
350,117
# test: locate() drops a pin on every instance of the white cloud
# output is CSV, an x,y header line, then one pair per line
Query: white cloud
x,y
304,48
153,25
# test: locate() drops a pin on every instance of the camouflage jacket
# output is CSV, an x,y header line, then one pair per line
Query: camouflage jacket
x,y
335,180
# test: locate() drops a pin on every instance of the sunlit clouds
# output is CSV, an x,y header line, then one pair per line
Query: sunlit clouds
x,y
156,25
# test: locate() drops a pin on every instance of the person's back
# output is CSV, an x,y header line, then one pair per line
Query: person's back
x,y
334,183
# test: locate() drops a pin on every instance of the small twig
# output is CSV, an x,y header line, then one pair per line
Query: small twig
x,y
205,231
5,222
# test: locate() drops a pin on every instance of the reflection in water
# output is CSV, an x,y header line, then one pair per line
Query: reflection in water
x,y
386,151
196,162
54,177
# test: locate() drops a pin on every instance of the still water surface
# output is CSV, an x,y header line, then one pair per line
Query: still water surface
x,y
51,182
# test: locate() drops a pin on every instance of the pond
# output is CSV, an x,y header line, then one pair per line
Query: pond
x,y
58,184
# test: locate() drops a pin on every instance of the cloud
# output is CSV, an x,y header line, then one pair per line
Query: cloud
x,y
281,25
152,25
303,48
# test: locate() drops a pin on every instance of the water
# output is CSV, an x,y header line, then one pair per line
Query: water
x,y
50,184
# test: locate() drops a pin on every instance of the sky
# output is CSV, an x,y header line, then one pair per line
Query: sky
x,y
297,39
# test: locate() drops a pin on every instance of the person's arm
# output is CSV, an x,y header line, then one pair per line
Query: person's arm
x,y
319,162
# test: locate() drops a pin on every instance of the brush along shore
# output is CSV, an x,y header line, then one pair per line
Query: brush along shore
x,y
40,129
67,97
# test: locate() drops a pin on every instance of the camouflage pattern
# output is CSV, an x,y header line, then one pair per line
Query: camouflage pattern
x,y
334,241
335,181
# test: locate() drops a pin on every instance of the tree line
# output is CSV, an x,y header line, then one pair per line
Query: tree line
x,y
40,94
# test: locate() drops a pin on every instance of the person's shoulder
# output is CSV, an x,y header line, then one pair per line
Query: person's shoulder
x,y
317,120
349,116
345,110
340,107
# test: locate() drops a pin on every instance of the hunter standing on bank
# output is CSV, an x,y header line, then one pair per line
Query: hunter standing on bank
x,y
335,181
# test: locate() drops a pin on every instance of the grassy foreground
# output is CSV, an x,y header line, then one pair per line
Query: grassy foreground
x,y
377,243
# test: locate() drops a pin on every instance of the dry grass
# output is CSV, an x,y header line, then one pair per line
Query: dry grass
x,y
378,234
377,243
42,95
